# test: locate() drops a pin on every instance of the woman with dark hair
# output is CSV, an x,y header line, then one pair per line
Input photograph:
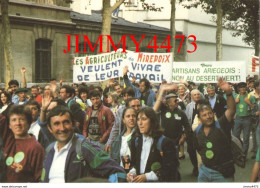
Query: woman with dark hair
x,y
120,150
5,102
153,155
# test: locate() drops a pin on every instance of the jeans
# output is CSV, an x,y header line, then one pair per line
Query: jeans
x,y
243,123
210,175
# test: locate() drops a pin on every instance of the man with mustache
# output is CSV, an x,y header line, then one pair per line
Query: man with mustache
x,y
63,162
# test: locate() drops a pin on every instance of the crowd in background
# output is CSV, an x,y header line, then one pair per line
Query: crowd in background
x,y
131,132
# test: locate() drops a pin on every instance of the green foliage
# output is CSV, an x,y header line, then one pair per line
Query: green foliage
x,y
238,15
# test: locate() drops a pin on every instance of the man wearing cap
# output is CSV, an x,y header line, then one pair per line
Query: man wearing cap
x,y
21,92
173,120
244,104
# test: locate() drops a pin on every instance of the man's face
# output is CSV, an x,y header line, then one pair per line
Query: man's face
x,y
35,112
126,96
207,117
242,90
195,96
22,96
84,96
19,125
142,87
172,103
34,92
13,88
96,101
118,90
63,94
77,92
61,127
211,92
135,104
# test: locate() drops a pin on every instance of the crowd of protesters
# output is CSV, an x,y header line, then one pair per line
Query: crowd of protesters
x,y
132,133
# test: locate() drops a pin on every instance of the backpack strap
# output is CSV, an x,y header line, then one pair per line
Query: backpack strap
x,y
79,150
48,149
198,129
136,141
159,143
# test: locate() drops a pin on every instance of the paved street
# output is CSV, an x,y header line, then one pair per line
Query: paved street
x,y
241,174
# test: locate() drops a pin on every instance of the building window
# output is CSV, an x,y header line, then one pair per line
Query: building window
x,y
89,52
43,60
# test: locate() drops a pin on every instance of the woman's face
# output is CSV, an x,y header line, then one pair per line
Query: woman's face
x,y
3,98
144,124
109,99
84,96
129,118
181,90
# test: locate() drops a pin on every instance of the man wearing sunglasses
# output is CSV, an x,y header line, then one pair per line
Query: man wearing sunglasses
x,y
173,120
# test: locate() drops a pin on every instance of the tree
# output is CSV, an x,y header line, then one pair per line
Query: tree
x,y
244,19
173,31
6,38
239,15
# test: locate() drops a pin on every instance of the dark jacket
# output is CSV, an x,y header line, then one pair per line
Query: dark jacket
x,y
167,159
105,119
98,163
220,105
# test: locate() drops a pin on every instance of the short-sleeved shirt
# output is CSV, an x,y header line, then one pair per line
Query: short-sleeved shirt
x,y
174,122
242,108
215,148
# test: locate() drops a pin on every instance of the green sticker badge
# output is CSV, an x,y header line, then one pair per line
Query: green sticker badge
x,y
103,117
86,117
142,102
9,161
241,106
168,115
43,174
18,157
209,154
176,115
209,145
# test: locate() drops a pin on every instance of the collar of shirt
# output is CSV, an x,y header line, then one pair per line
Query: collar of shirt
x,y
66,147
66,101
212,101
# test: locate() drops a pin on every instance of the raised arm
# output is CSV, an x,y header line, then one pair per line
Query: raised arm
x,y
23,70
127,81
230,112
163,88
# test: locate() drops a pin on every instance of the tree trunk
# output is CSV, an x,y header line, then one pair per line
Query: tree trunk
x,y
219,30
6,38
173,32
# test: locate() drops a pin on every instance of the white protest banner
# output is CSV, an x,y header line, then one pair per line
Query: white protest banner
x,y
98,68
209,71
156,67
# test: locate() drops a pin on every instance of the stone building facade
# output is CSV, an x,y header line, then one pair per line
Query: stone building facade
x,y
39,29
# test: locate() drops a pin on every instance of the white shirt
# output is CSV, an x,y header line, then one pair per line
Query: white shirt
x,y
35,129
125,150
3,108
147,143
57,170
